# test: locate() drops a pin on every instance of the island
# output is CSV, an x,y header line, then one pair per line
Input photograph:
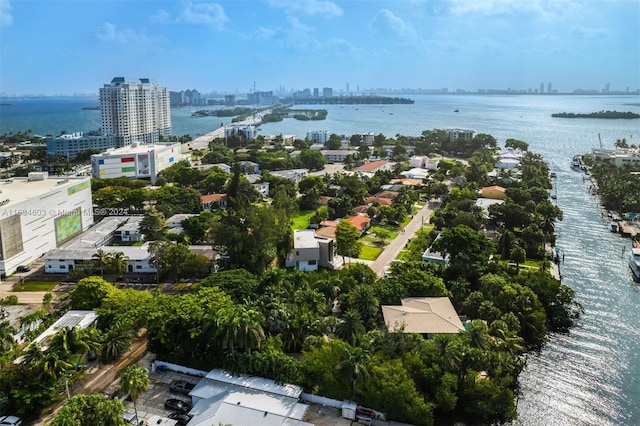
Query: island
x,y
222,112
348,100
600,114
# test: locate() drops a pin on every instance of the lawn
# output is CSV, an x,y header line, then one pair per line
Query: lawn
x,y
393,231
36,286
301,220
370,253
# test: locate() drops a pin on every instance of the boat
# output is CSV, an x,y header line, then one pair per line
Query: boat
x,y
614,226
634,262
575,164
552,174
456,110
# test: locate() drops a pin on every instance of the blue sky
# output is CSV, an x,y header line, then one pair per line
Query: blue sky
x,y
65,47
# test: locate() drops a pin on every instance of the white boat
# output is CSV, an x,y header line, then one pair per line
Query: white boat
x,y
614,227
634,263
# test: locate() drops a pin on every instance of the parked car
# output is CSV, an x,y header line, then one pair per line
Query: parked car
x,y
131,419
10,421
177,405
180,418
181,386
22,268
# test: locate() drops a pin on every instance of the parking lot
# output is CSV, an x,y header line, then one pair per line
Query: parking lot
x,y
152,401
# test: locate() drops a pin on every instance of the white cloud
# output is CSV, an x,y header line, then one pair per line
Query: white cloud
x,y
296,25
6,17
590,33
209,14
308,7
385,21
108,32
540,9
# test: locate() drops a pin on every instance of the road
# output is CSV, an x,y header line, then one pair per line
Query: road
x,y
202,142
394,248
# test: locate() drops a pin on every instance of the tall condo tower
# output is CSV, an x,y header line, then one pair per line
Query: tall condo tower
x,y
135,112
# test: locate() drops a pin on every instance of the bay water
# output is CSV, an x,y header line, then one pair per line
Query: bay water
x,y
590,376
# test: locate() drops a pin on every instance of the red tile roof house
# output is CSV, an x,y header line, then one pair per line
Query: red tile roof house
x,y
494,192
373,166
380,200
361,223
214,202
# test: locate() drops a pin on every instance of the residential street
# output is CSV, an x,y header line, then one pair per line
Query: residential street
x,y
393,249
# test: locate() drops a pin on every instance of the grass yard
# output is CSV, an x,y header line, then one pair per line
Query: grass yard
x,y
301,220
369,252
393,231
372,240
36,286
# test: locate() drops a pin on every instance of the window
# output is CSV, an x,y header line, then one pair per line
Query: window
x,y
312,262
138,266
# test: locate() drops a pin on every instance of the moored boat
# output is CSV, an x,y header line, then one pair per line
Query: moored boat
x,y
634,263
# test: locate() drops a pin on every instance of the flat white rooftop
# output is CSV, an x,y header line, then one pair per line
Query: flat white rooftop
x,y
20,189
138,149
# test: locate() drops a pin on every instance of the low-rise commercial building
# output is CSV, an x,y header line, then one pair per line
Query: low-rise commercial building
x,y
135,161
40,213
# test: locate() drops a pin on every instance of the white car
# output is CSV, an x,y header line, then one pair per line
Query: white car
x,y
10,421
131,419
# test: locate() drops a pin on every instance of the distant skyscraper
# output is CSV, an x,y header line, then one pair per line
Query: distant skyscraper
x,y
541,87
316,92
347,88
327,92
606,88
135,111
548,87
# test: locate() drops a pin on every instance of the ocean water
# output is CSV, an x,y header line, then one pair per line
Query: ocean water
x,y
590,376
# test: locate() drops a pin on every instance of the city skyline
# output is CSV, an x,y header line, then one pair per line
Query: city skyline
x,y
69,47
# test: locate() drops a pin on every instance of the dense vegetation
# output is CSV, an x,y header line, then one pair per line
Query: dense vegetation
x,y
600,114
253,317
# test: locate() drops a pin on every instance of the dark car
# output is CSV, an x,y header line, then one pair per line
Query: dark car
x,y
181,386
177,405
23,268
180,418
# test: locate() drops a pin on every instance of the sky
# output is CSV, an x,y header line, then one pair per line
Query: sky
x,y
65,47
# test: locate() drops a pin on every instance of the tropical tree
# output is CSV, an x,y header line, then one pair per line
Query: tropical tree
x,y
92,409
116,339
355,367
363,300
54,365
152,224
347,243
351,327
449,351
6,336
518,255
118,263
102,258
134,381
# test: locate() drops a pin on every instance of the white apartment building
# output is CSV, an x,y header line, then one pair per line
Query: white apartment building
x,y
459,133
38,214
72,144
135,161
135,111
318,136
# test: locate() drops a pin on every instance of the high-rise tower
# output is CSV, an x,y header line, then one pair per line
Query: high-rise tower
x,y
135,112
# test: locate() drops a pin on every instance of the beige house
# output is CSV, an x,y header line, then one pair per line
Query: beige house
x,y
423,315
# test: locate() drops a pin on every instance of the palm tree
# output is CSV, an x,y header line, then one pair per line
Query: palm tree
x,y
32,355
363,300
6,336
351,327
53,365
102,258
355,367
449,351
118,263
249,333
227,328
117,338
134,381
477,334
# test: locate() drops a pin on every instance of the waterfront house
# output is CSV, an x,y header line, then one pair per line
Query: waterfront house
x,y
422,315
493,192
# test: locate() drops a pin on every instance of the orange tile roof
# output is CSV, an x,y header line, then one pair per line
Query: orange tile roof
x,y
388,194
360,222
371,166
206,199
379,200
494,188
